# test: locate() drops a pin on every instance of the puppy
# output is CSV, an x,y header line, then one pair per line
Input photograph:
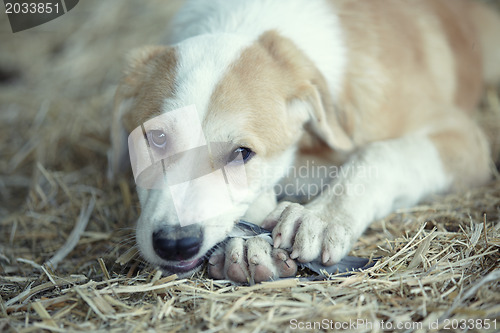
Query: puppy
x,y
343,109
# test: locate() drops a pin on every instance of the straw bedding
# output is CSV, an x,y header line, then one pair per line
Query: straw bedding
x,y
439,260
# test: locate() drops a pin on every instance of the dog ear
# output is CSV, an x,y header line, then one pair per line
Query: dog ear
x,y
324,120
309,88
138,61
118,160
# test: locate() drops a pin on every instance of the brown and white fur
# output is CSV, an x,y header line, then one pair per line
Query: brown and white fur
x,y
384,85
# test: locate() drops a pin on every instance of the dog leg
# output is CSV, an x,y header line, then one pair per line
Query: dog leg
x,y
378,179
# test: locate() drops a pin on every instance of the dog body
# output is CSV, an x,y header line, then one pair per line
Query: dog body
x,y
376,94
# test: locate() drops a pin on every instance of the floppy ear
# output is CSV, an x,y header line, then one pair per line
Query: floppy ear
x,y
126,93
323,121
308,87
118,160
138,59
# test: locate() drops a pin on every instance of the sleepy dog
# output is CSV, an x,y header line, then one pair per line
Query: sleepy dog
x,y
352,108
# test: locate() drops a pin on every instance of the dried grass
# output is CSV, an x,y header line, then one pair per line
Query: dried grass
x,y
439,260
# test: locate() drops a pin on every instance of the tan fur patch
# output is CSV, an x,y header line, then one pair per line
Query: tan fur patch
x,y
252,94
464,151
259,87
397,79
149,81
456,22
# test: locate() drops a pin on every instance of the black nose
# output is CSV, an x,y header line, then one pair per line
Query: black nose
x,y
176,242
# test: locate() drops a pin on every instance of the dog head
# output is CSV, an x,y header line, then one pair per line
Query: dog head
x,y
250,102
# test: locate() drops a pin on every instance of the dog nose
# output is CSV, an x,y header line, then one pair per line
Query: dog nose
x,y
176,242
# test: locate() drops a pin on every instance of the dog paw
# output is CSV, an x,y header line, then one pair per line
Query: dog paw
x,y
308,236
338,240
250,261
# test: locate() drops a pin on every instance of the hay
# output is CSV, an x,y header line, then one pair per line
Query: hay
x,y
440,260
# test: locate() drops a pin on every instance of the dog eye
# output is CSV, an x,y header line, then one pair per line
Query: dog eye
x,y
246,154
158,138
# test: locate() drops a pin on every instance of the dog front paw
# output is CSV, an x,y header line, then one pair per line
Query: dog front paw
x,y
310,237
250,261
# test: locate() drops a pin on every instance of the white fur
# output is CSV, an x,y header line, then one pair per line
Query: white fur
x,y
203,60
310,24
